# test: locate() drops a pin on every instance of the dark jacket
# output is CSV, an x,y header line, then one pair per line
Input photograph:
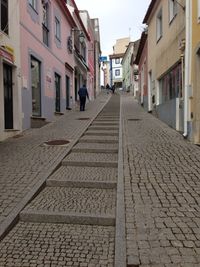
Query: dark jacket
x,y
83,92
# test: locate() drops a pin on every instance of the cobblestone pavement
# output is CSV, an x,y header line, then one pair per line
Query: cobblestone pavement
x,y
56,245
71,222
23,159
162,192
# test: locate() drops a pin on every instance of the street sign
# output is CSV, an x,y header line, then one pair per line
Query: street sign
x,y
102,58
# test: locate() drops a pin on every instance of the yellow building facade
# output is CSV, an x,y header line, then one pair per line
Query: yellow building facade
x,y
166,34
194,97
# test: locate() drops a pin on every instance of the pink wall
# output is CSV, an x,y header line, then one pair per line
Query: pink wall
x,y
52,58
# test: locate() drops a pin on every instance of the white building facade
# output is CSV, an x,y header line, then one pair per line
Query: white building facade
x,y
10,73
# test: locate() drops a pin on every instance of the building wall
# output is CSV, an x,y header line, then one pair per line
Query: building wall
x,y
127,81
116,67
143,77
165,53
195,70
52,58
121,45
12,40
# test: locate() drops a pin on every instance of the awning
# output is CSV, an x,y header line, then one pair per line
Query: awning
x,y
6,55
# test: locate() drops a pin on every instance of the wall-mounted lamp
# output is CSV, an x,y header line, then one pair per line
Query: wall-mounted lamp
x,y
81,35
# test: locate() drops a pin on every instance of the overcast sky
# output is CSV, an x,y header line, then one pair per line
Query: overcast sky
x,y
117,19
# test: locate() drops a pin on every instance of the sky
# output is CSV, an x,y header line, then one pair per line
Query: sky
x,y
117,19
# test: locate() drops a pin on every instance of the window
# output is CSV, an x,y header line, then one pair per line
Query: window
x,y
57,29
32,3
36,86
45,30
57,88
83,51
198,14
172,9
159,25
117,72
4,15
170,85
117,61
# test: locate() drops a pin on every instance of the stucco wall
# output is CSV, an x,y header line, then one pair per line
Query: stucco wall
x,y
52,60
12,40
165,53
195,70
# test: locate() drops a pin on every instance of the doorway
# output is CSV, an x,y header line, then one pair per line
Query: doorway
x,y
36,87
8,96
57,88
67,92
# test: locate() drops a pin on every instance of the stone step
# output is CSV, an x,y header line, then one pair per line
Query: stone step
x,y
91,159
107,128
99,139
50,244
105,123
95,148
72,205
101,133
90,177
107,119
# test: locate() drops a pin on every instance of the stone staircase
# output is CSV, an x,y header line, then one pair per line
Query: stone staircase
x,y
74,216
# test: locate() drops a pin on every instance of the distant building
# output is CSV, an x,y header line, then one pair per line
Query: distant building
x,y
130,69
106,72
116,75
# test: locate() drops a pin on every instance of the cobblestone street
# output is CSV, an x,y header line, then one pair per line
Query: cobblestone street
x,y
77,217
162,192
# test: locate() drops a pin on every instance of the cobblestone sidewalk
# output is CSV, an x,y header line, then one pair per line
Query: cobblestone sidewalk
x,y
25,161
162,192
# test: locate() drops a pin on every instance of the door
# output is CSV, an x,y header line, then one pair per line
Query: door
x,y
36,87
8,96
76,89
57,88
67,92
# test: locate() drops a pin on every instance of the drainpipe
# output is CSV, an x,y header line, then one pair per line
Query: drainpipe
x,y
187,64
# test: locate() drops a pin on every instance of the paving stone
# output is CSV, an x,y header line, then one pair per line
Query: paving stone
x,y
72,205
99,139
95,147
47,244
75,176
91,159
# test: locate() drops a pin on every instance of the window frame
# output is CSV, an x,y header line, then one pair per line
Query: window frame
x,y
5,29
117,72
45,23
33,4
198,11
117,60
57,29
159,25
172,10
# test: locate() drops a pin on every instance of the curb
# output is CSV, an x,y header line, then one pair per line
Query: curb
x,y
120,235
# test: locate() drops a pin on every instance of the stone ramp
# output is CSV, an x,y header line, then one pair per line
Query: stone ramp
x,y
91,159
60,245
89,177
101,132
95,148
99,139
72,205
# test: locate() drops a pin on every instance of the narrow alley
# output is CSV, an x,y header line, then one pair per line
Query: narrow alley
x,y
124,191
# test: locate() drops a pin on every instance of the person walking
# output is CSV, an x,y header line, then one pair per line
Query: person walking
x,y
83,93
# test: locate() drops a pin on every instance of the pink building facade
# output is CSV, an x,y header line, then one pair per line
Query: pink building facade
x,y
47,61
